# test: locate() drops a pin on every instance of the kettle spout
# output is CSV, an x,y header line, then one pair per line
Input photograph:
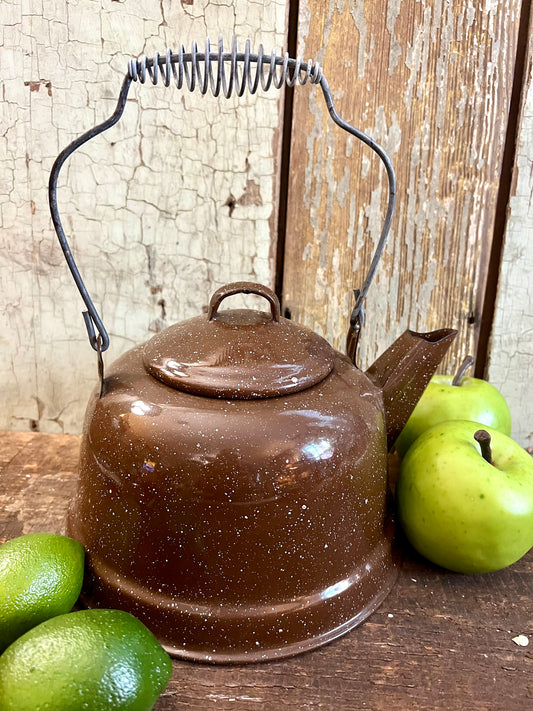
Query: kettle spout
x,y
404,371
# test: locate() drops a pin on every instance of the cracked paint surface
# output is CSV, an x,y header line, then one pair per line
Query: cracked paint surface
x,y
511,359
143,205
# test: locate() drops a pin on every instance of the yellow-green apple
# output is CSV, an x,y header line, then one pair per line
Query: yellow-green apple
x,y
456,398
465,499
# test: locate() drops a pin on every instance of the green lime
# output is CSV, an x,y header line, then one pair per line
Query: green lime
x,y
92,660
40,577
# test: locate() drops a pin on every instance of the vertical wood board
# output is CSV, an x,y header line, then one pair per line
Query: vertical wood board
x,y
175,200
431,82
511,346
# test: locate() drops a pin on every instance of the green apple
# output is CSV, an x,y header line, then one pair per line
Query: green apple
x,y
456,397
464,510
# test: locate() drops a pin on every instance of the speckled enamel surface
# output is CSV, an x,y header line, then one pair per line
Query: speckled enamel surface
x,y
234,527
239,354
238,529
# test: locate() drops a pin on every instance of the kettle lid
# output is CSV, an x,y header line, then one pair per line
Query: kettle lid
x,y
239,354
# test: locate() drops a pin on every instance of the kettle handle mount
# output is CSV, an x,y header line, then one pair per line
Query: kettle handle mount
x,y
208,70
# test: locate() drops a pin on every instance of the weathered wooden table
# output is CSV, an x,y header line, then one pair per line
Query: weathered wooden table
x,y
439,641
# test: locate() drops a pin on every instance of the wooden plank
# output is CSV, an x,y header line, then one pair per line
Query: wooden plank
x,y
511,347
440,641
11,444
431,82
36,482
148,206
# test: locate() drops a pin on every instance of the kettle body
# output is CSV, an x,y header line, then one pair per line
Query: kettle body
x,y
237,528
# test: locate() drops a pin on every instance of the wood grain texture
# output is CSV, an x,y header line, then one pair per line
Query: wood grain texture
x,y
511,348
431,82
147,206
440,641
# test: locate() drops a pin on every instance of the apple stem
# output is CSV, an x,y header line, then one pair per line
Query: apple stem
x,y
467,363
482,437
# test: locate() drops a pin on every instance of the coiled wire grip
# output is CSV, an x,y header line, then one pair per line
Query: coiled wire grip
x,y
227,73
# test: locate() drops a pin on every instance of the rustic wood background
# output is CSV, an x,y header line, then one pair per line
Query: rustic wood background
x,y
510,363
185,193
176,200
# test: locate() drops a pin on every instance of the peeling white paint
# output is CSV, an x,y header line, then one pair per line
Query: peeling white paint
x,y
357,11
145,205
511,352
395,51
437,103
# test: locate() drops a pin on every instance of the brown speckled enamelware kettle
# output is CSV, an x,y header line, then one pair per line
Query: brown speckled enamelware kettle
x,y
232,485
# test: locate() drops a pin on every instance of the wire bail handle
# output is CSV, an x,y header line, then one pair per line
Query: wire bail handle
x,y
207,70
